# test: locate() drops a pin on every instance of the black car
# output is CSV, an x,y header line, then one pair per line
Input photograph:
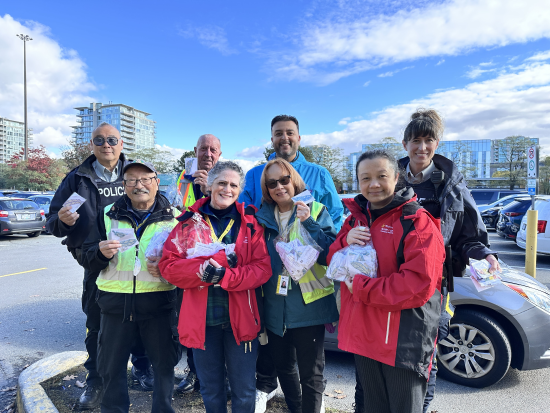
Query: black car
x,y
510,216
21,216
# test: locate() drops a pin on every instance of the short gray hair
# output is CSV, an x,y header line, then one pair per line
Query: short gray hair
x,y
221,166
103,124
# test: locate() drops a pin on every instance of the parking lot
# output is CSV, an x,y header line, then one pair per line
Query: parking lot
x,y
40,314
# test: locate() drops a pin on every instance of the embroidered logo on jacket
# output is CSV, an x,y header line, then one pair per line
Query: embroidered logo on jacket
x,y
387,229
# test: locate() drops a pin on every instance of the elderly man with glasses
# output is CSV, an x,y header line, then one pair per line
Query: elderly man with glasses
x,y
99,181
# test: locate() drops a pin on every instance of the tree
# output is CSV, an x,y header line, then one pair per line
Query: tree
x,y
334,160
180,163
75,153
390,145
512,152
39,172
162,160
544,176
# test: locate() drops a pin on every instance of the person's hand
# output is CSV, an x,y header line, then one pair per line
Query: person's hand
x,y
358,235
349,283
109,248
67,217
200,179
302,211
153,266
495,266
213,262
211,272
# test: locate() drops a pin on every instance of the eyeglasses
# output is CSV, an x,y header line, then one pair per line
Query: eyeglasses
x,y
272,184
133,182
100,140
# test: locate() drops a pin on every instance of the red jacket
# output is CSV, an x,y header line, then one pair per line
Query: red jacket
x,y
253,269
394,318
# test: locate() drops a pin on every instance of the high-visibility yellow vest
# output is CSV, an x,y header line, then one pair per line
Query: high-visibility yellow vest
x,y
185,188
118,277
314,285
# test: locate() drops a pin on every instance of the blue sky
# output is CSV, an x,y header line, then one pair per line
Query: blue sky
x,y
351,71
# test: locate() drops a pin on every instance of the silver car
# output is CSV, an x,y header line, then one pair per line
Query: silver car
x,y
505,326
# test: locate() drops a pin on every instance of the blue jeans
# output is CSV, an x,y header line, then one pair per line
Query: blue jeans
x,y
221,350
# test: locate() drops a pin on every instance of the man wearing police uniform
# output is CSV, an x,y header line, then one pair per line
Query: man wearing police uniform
x,y
99,180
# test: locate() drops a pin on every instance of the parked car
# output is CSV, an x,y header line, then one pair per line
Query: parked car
x,y
19,215
43,201
487,196
25,194
542,205
509,217
492,330
502,202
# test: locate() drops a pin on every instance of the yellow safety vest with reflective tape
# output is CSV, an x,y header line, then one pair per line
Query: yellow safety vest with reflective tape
x,y
185,187
314,285
118,277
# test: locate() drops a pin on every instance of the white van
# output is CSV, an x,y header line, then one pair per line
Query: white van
x,y
542,205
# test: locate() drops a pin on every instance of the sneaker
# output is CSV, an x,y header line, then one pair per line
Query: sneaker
x,y
90,399
261,400
145,378
189,383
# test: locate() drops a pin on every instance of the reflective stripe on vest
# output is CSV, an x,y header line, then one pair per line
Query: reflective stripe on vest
x,y
314,285
118,277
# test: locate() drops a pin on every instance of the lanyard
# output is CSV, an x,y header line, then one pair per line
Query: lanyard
x,y
138,228
224,233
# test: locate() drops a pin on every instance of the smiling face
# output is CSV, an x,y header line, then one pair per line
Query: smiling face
x,y
286,139
281,194
208,151
107,154
225,189
142,195
377,181
421,150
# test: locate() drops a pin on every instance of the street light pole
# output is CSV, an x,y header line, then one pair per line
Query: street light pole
x,y
25,39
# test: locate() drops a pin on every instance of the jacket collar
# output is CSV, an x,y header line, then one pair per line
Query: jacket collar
x,y
266,216
250,210
359,205
162,210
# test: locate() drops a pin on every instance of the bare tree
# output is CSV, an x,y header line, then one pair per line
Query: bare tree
x,y
512,152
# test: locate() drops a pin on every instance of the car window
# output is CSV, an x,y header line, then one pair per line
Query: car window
x,y
523,206
18,204
482,197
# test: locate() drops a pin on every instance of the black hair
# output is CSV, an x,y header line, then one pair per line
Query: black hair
x,y
424,122
375,154
284,118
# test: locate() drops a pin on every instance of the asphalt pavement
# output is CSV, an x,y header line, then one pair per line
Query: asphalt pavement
x,y
40,314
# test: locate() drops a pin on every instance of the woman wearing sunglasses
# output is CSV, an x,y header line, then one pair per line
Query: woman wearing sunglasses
x,y
296,313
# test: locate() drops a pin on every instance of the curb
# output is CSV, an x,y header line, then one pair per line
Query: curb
x,y
31,396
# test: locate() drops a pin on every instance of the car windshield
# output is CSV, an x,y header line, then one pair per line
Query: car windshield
x,y
482,197
17,204
517,206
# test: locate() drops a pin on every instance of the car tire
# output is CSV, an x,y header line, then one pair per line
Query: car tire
x,y
471,330
34,234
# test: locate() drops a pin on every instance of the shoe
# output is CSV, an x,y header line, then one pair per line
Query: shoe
x,y
261,400
91,398
145,378
189,383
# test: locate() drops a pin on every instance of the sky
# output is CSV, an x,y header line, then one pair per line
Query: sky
x,y
351,71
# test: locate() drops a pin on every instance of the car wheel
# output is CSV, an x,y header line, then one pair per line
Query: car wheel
x,y
476,353
34,234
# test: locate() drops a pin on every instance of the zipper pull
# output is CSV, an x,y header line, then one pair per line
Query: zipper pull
x,y
130,317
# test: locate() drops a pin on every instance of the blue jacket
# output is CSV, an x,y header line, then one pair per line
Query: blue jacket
x,y
317,179
280,312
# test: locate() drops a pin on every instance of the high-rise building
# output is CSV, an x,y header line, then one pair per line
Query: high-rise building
x,y
136,130
12,138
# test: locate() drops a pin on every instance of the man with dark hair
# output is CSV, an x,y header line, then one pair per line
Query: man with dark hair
x,y
285,138
99,180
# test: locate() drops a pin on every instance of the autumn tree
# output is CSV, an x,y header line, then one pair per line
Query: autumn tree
x,y
39,172
75,153
512,152
162,160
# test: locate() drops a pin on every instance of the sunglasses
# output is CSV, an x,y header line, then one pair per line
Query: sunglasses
x,y
272,184
100,141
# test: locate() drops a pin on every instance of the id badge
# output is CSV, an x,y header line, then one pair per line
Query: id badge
x,y
137,266
282,285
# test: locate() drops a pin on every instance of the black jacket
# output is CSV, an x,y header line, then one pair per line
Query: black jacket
x,y
82,181
461,223
91,257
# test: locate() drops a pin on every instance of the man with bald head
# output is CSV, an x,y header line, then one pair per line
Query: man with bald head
x,y
193,186
98,180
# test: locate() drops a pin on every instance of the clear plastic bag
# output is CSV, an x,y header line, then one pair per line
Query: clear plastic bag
x,y
173,193
297,250
155,247
480,275
352,260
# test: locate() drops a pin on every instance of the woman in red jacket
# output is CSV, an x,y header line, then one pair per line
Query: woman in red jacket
x,y
219,316
390,322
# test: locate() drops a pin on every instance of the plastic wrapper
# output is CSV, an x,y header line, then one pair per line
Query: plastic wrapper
x,y
156,245
480,275
173,192
352,260
301,253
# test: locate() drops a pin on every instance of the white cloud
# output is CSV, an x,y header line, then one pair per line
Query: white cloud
x,y
366,83
344,121
246,164
253,152
515,102
213,37
56,81
476,72
333,48
541,56
176,152
389,74
440,62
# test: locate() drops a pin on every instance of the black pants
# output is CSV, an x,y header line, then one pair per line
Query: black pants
x,y
390,389
266,374
93,321
304,345
115,342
